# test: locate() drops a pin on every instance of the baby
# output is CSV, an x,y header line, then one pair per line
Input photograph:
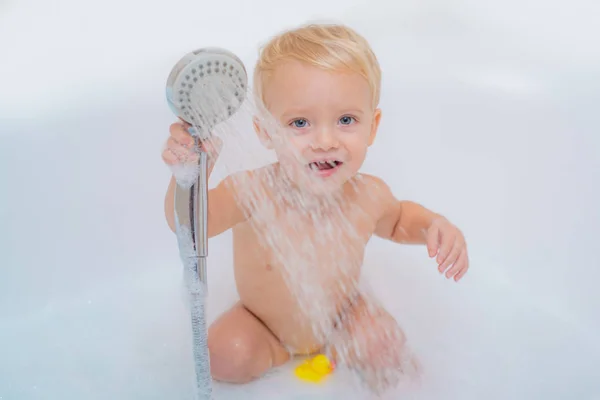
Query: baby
x,y
305,236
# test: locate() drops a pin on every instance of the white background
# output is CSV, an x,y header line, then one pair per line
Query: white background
x,y
490,116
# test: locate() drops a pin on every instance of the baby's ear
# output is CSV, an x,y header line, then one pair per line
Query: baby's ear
x,y
262,133
374,126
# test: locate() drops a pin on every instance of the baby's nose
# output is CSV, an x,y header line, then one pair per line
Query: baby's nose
x,y
325,139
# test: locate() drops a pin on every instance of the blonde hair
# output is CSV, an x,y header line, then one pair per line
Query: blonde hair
x,y
332,47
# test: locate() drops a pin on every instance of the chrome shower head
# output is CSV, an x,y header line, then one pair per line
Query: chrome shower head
x,y
206,87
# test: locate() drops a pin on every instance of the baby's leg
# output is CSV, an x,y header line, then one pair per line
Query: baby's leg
x,y
242,348
369,341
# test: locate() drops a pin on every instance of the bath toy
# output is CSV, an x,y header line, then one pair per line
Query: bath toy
x,y
315,369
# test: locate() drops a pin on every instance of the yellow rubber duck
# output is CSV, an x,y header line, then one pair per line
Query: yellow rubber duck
x,y
316,369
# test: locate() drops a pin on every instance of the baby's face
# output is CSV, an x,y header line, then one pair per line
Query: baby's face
x,y
324,123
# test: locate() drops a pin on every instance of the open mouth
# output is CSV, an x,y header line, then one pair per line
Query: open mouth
x,y
324,165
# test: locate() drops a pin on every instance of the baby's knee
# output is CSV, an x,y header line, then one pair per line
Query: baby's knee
x,y
232,356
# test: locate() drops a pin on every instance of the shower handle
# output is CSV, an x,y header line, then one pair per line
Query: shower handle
x,y
191,212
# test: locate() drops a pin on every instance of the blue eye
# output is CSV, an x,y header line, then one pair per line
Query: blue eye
x,y
346,120
299,123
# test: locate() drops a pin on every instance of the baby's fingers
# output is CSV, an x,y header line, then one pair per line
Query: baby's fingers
x,y
452,257
169,157
460,275
448,241
179,131
460,267
433,235
176,153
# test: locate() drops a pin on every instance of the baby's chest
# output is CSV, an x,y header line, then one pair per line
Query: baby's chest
x,y
308,241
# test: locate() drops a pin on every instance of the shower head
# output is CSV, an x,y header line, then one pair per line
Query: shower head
x,y
206,87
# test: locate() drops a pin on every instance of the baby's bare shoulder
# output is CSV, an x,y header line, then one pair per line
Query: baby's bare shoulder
x,y
373,193
372,187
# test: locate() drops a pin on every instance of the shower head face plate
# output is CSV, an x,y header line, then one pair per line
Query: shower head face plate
x,y
206,87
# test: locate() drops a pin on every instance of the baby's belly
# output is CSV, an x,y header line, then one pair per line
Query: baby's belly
x,y
291,302
290,315
266,295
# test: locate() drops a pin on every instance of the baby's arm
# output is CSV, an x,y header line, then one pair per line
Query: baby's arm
x,y
409,222
401,221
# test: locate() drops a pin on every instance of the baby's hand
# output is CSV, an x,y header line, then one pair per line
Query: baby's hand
x,y
447,242
181,149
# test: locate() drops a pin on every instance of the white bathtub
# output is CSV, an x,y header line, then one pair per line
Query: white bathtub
x,y
497,104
